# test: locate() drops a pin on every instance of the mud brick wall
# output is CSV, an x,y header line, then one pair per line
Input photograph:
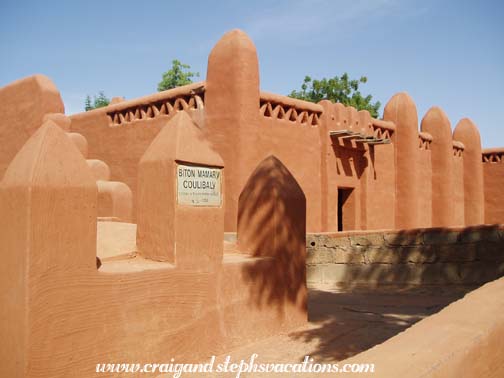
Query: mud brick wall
x,y
420,256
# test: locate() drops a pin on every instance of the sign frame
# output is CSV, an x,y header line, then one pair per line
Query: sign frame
x,y
196,185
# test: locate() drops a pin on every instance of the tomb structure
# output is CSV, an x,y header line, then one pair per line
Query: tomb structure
x,y
357,172
118,225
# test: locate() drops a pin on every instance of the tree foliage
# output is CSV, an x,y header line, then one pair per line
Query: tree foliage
x,y
176,76
98,101
337,89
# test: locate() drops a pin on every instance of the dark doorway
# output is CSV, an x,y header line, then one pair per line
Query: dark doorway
x,y
346,209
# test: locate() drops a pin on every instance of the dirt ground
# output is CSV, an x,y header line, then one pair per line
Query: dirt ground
x,y
342,322
345,322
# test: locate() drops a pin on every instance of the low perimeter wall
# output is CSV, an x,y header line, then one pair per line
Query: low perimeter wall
x,y
420,256
462,340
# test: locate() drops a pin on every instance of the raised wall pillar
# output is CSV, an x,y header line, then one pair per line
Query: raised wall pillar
x,y
232,112
180,199
474,204
368,171
436,123
48,238
23,105
402,111
327,123
458,184
493,178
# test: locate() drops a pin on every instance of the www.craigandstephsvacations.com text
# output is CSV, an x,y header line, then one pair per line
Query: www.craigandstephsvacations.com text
x,y
251,365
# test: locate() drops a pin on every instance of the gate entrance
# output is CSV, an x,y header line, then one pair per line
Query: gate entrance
x,y
346,209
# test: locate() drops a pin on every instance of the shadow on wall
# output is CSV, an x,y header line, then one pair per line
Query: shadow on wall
x,y
473,255
350,162
272,225
390,280
372,160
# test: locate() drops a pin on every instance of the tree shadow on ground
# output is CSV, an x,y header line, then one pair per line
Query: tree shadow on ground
x,y
386,284
390,280
343,324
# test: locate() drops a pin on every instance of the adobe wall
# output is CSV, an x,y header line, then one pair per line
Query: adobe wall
x,y
120,134
58,300
349,164
474,203
401,110
422,179
462,340
23,105
493,171
409,183
458,185
380,211
436,131
232,112
143,307
424,176
345,164
419,256
289,130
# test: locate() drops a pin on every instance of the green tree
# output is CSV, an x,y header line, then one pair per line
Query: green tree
x,y
337,89
98,101
176,76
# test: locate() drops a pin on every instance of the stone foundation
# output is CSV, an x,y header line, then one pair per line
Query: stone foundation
x,y
419,256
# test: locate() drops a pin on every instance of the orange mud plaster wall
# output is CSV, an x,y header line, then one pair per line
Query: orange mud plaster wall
x,y
379,198
411,182
458,185
120,134
23,105
493,170
296,142
345,168
474,201
425,181
61,315
437,125
467,341
364,173
282,159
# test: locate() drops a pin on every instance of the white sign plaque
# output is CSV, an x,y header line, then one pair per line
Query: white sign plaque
x,y
198,186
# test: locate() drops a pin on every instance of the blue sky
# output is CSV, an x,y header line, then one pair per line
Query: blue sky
x,y
444,53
